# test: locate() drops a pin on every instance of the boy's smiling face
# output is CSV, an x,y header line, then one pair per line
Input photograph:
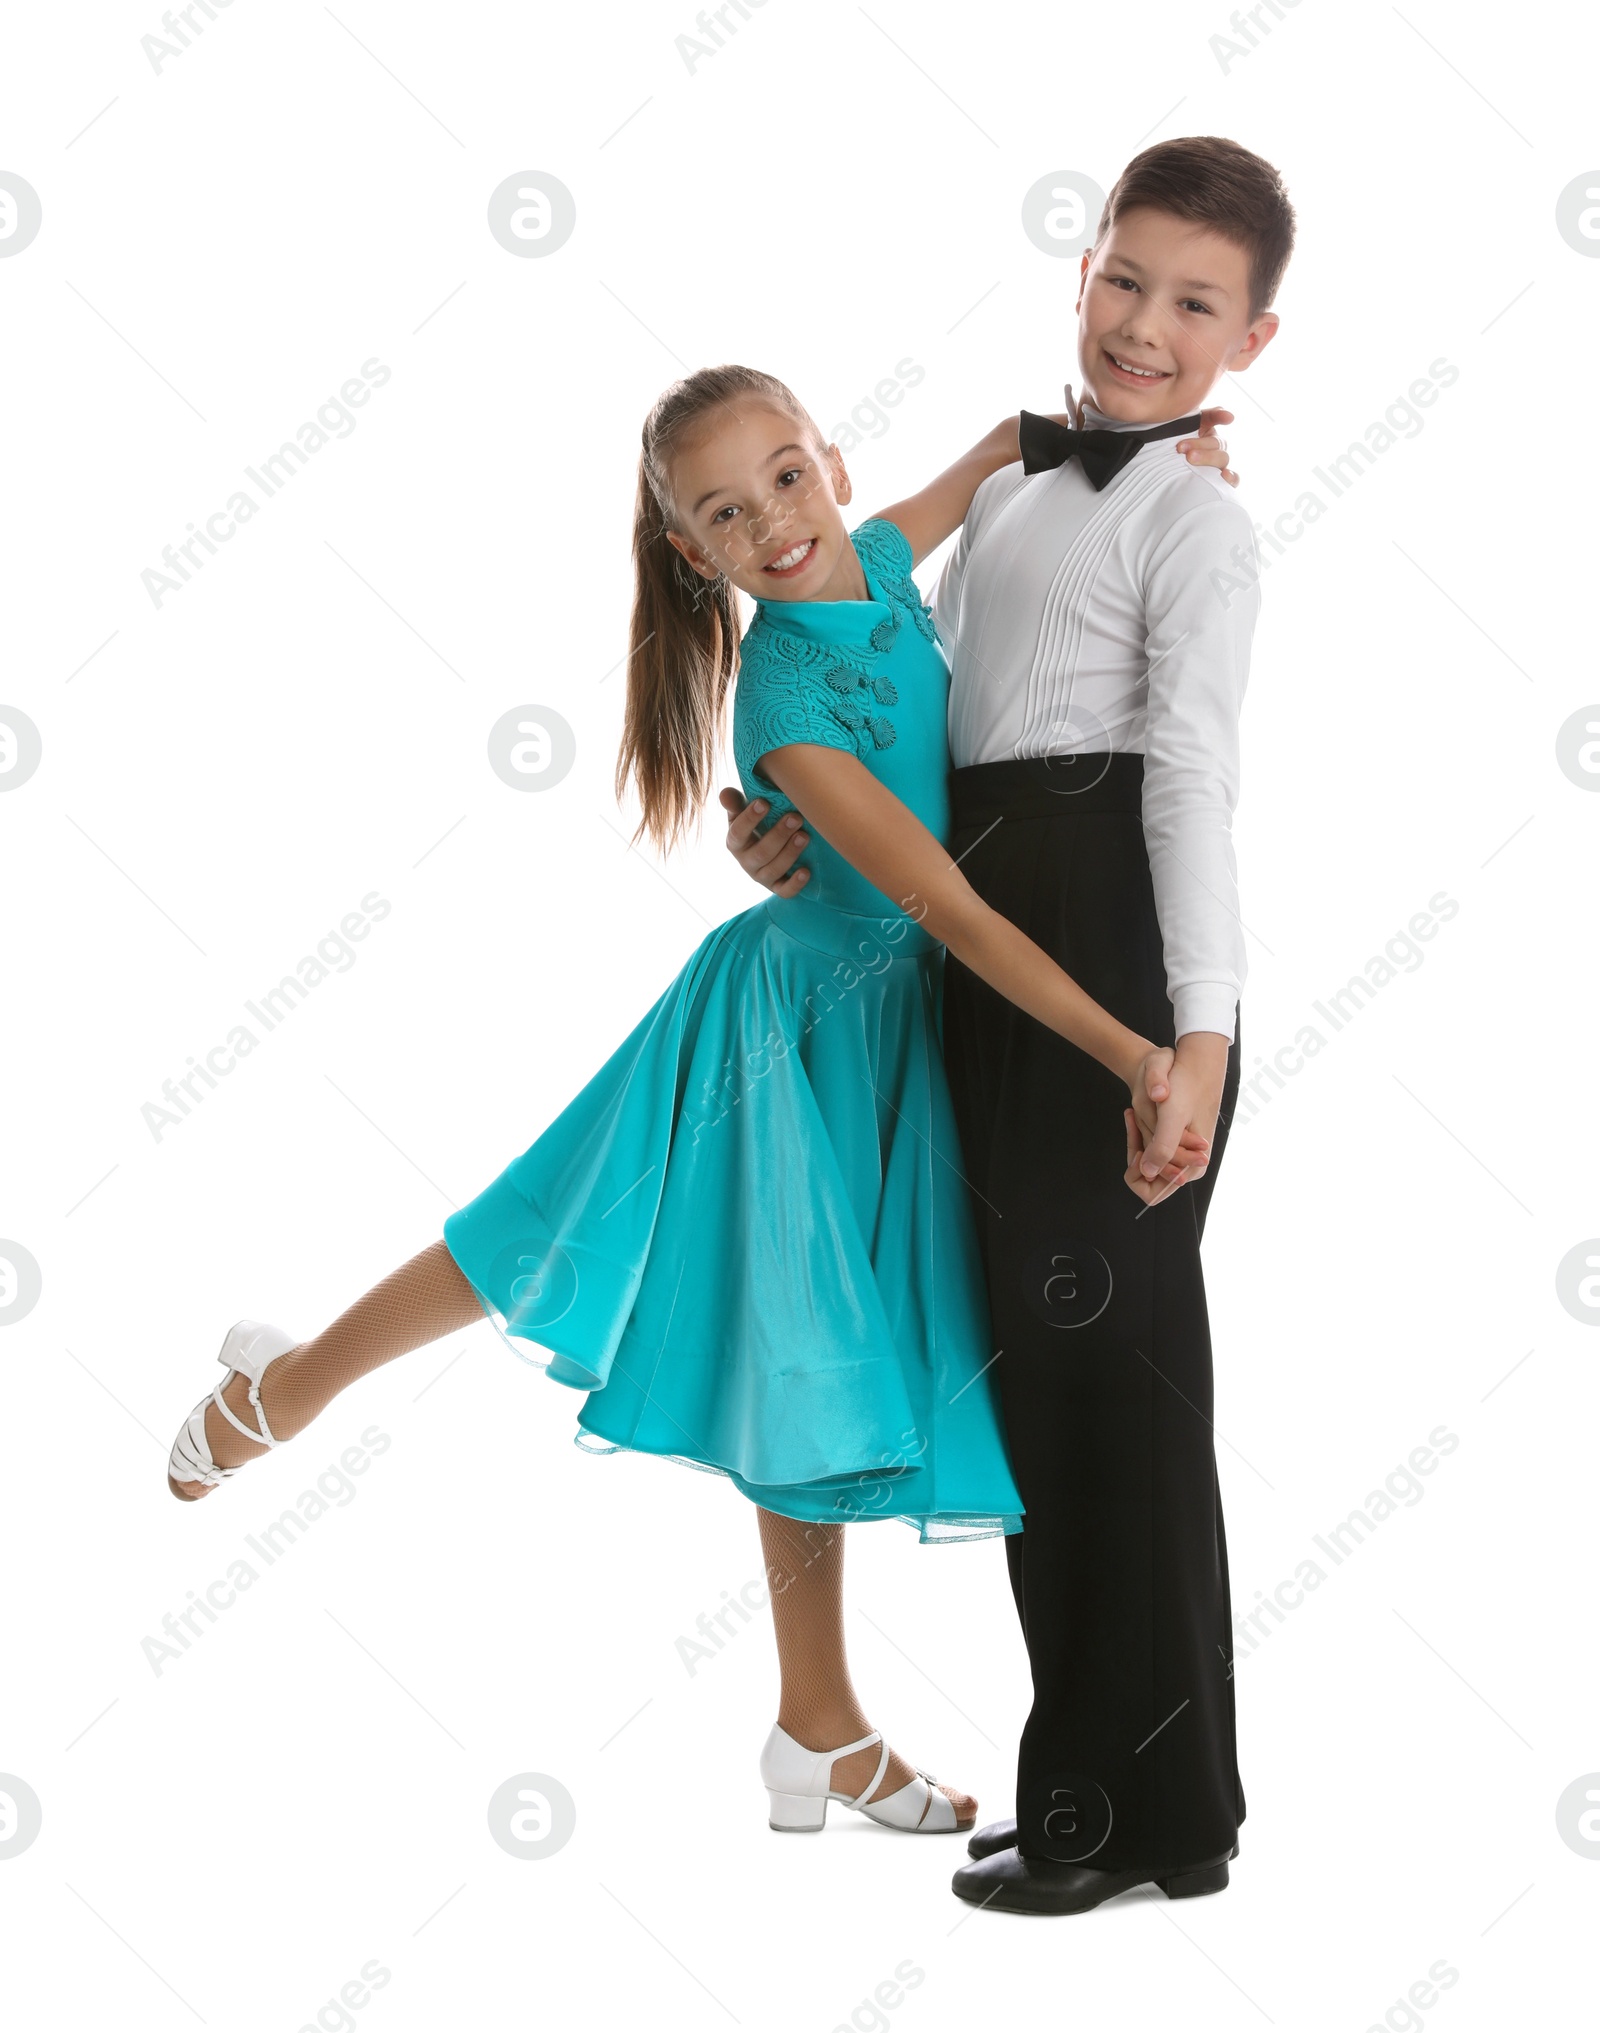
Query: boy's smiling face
x,y
1163,312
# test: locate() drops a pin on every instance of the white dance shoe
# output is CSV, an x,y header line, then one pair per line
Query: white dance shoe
x,y
247,1348
798,1788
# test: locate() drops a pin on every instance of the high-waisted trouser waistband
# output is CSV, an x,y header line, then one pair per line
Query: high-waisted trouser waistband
x,y
1046,787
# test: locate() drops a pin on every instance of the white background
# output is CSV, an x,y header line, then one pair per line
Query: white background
x,y
225,776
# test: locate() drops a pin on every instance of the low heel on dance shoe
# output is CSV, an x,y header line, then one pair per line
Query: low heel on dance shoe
x,y
799,1785
796,1813
1194,1884
247,1348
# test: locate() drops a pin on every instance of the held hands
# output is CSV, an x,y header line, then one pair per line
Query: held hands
x,y
1164,1147
1171,1126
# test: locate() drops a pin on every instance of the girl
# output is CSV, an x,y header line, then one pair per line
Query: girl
x,y
747,1240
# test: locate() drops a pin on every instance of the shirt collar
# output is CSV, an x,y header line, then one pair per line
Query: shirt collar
x,y
1097,420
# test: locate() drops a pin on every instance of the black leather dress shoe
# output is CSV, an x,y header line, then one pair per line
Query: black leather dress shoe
x,y
995,1836
1017,1884
998,1835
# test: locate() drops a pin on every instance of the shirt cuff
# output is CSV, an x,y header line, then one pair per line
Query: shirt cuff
x,y
1206,1006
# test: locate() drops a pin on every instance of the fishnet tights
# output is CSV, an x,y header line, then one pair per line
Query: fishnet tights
x,y
817,1703
429,1296
425,1298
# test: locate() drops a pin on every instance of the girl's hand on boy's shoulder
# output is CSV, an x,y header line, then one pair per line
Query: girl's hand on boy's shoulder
x,y
1208,449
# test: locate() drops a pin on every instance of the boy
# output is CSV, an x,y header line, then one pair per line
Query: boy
x,y
1099,645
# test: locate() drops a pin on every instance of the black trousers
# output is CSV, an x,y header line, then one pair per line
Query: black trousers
x,y
1099,1310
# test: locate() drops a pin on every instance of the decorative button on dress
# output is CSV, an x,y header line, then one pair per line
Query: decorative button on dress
x,y
748,1239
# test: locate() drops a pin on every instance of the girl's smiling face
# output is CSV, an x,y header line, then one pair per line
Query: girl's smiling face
x,y
757,499
1163,313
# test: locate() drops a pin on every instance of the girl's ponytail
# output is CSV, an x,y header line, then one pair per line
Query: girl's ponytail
x,y
683,638
683,649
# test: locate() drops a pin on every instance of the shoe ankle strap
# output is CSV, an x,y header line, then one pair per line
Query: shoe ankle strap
x,y
876,1780
227,1411
865,1743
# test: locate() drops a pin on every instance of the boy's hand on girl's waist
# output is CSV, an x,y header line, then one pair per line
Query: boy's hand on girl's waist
x,y
768,858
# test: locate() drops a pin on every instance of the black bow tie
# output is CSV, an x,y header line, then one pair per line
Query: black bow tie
x,y
1101,454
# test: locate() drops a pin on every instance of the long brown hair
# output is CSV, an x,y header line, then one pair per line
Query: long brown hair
x,y
683,637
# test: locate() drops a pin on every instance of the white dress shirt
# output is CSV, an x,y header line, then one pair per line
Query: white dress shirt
x,y
1080,622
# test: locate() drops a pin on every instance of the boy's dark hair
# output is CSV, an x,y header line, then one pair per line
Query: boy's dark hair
x,y
1216,183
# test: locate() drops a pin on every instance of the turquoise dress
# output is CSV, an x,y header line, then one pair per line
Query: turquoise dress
x,y
748,1239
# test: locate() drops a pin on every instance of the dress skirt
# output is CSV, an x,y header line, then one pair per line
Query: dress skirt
x,y
748,1239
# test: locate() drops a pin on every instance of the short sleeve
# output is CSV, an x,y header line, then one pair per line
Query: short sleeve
x,y
884,550
783,696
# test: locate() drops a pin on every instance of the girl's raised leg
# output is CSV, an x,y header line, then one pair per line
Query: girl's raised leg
x,y
817,1702
417,1303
